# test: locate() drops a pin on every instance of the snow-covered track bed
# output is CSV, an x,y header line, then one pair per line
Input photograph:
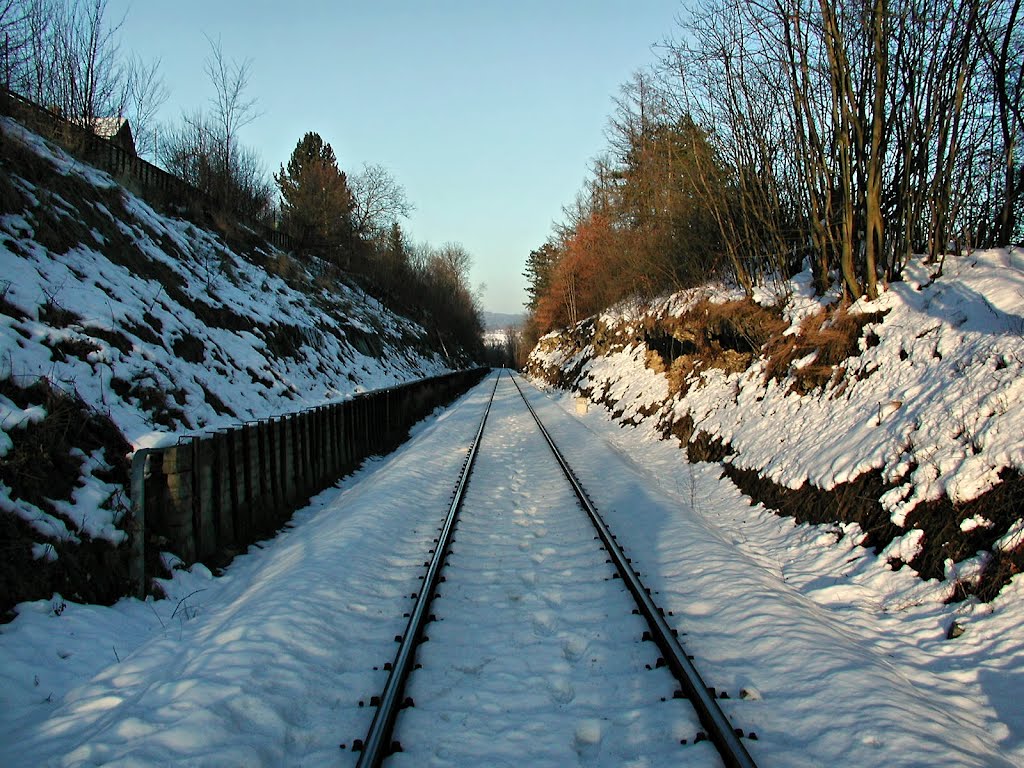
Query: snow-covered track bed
x,y
536,657
534,646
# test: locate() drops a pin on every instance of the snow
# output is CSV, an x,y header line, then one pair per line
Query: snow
x,y
1013,538
127,323
533,637
906,547
872,632
937,405
975,521
50,527
829,655
263,666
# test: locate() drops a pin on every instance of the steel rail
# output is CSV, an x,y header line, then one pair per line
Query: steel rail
x,y
720,730
377,745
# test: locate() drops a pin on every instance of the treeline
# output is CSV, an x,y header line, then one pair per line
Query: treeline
x,y
770,135
352,223
67,56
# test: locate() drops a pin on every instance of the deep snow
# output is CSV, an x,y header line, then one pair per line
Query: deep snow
x,y
535,657
842,659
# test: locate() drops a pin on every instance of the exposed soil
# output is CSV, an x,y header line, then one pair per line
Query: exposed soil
x,y
853,502
945,539
40,468
730,337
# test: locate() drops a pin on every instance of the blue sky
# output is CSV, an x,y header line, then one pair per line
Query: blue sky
x,y
487,112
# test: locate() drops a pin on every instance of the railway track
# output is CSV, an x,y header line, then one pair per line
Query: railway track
x,y
596,687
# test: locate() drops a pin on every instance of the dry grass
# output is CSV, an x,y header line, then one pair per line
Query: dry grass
x,y
56,316
79,348
654,361
41,466
725,336
11,198
189,348
154,400
285,341
832,335
681,370
285,266
6,307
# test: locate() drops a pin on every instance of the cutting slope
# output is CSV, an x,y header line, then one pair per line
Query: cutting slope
x,y
904,414
121,327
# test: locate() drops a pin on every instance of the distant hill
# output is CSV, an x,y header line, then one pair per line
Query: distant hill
x,y
499,321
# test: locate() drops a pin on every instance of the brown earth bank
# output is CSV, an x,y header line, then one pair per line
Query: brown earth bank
x,y
732,336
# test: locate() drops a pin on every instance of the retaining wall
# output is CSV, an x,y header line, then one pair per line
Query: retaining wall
x,y
210,496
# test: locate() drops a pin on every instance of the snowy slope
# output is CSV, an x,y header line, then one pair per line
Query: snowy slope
x,y
235,668
161,326
263,666
933,400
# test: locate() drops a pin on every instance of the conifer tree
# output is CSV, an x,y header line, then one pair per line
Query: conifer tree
x,y
316,202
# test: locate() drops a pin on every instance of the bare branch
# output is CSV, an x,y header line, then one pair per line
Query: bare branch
x,y
379,200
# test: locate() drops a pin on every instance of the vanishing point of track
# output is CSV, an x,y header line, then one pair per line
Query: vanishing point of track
x,y
378,743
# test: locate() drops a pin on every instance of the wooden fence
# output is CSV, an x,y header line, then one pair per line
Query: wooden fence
x,y
209,497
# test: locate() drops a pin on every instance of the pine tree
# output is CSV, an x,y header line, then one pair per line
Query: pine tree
x,y
316,202
539,266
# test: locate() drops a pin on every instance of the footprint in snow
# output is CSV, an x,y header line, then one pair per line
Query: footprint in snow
x,y
552,598
561,691
573,648
587,741
544,622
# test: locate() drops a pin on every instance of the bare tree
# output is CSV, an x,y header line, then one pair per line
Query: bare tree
x,y
453,261
726,75
147,93
13,22
94,79
1004,56
447,295
189,151
512,341
232,108
380,201
65,54
253,191
856,132
32,50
